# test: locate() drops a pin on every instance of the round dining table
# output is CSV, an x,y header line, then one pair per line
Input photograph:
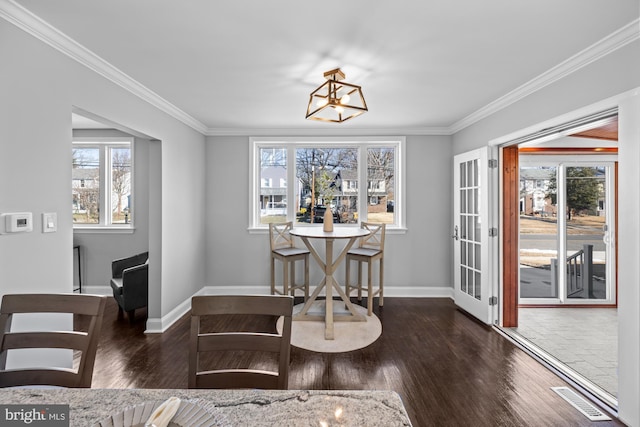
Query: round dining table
x,y
329,282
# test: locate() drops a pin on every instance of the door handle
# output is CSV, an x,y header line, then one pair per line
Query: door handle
x,y
455,233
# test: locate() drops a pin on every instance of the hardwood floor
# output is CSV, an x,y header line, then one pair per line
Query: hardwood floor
x,y
448,369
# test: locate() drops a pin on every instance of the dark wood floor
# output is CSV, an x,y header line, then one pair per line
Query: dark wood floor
x,y
448,369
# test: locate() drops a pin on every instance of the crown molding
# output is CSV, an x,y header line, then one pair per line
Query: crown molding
x,y
333,131
625,35
32,24
43,31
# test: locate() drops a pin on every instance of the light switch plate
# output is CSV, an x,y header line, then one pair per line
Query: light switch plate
x,y
49,222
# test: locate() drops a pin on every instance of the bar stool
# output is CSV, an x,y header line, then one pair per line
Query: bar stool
x,y
370,249
284,250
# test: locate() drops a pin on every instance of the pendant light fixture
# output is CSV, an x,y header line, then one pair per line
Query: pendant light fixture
x,y
335,100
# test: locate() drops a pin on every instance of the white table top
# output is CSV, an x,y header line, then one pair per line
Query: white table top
x,y
337,233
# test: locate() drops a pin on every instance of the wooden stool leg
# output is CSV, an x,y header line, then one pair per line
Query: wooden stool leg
x,y
273,275
369,288
381,291
293,278
359,280
306,278
285,278
346,277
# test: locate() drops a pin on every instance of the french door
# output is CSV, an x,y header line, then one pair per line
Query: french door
x,y
472,234
567,231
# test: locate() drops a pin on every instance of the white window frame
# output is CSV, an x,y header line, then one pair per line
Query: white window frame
x,y
104,144
362,143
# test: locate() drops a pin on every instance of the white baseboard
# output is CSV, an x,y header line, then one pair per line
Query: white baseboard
x,y
394,291
159,325
97,290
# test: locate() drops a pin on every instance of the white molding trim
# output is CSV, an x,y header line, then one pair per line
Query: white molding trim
x,y
32,24
625,35
43,31
97,290
159,326
602,105
334,131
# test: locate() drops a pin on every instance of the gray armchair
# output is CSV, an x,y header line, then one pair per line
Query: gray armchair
x,y
130,283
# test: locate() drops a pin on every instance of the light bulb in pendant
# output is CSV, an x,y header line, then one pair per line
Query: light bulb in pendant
x,y
345,99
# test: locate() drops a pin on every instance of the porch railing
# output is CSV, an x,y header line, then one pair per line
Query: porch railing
x,y
579,270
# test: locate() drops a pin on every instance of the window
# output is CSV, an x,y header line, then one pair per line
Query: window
x,y
325,174
101,182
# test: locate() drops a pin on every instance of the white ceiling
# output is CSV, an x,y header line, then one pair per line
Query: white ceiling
x,y
424,66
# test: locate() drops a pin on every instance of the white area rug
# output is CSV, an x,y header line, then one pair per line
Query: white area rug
x,y
349,336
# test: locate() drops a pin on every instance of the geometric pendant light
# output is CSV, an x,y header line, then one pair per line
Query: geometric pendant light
x,y
335,100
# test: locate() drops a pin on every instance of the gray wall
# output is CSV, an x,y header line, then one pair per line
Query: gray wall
x,y
416,263
39,87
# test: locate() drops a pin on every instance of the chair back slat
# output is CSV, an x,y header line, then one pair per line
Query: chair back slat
x,y
84,304
279,235
59,377
55,339
375,238
231,378
239,341
205,342
85,342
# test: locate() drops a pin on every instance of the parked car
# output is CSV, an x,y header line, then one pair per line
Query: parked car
x,y
318,215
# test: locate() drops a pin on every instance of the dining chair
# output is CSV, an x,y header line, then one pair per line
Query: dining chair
x,y
370,248
81,338
203,342
283,249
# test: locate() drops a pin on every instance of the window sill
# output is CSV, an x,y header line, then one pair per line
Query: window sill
x,y
265,229
103,230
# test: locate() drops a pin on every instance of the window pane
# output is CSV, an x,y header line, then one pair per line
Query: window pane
x,y
327,179
273,185
380,176
85,185
121,185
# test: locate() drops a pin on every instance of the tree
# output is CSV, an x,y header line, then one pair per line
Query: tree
x,y
310,161
120,175
582,187
380,167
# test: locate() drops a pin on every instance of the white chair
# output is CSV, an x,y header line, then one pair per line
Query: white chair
x,y
284,250
370,249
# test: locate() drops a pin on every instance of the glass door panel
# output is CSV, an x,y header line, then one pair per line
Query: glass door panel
x,y
538,233
471,272
566,232
586,196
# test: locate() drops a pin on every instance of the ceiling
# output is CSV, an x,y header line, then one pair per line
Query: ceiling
x,y
424,66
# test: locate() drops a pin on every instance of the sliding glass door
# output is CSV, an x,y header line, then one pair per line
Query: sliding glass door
x,y
567,229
